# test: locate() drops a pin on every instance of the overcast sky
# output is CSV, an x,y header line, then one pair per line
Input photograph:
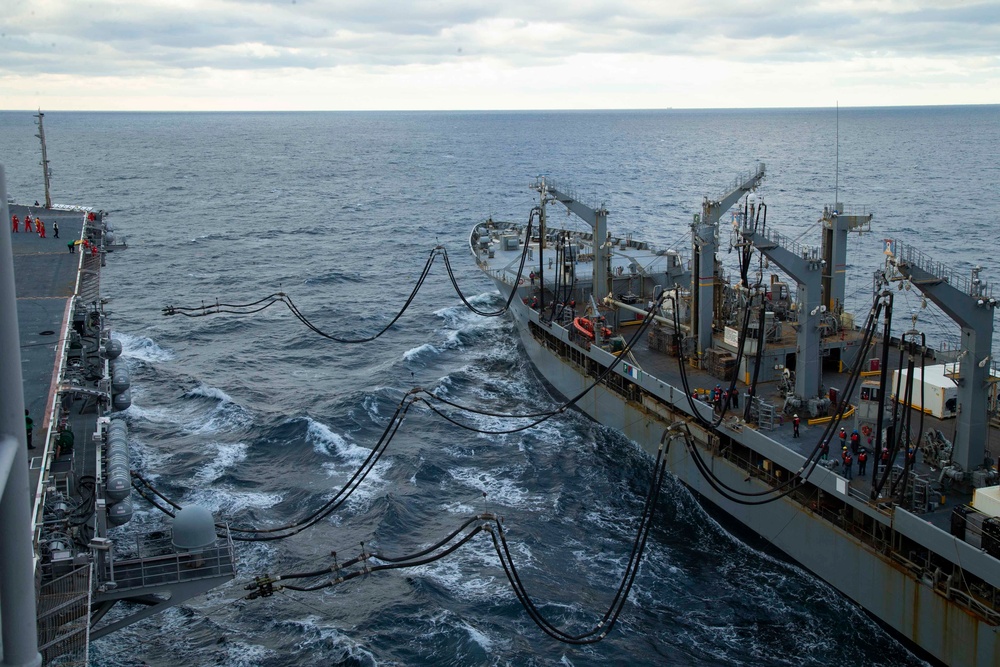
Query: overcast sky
x,y
501,54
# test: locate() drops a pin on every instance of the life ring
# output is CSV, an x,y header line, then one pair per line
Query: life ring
x,y
866,429
520,281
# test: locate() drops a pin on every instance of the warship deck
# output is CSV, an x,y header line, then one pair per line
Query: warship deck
x,y
47,278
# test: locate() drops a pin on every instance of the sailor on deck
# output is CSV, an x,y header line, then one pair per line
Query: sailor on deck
x,y
15,221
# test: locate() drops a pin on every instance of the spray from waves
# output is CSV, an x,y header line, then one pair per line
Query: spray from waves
x,y
142,348
462,326
230,502
223,414
140,413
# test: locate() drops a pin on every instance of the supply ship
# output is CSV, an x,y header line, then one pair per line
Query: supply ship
x,y
64,572
811,426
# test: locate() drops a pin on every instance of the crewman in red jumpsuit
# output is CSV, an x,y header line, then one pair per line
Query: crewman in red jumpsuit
x,y
16,222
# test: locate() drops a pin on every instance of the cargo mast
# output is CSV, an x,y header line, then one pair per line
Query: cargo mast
x,y
45,159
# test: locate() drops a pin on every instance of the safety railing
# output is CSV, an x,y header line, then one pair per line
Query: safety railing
x,y
157,563
972,285
64,617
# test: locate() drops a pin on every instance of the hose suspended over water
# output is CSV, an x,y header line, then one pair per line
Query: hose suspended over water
x,y
265,586
259,305
141,485
331,505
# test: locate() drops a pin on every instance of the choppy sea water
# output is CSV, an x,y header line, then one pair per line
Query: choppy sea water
x,y
261,420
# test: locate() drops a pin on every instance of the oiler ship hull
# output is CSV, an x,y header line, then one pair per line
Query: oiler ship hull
x,y
900,567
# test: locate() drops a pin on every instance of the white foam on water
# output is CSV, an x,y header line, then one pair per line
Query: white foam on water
x,y
477,636
420,351
443,386
371,488
225,502
240,654
142,348
227,456
370,403
464,572
152,415
453,340
150,459
320,635
206,391
445,623
498,485
226,416
461,508
458,316
327,443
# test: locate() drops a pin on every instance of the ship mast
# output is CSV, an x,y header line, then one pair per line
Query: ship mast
x,y
45,159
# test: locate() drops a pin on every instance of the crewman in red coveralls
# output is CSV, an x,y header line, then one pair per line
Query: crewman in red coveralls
x,y
16,223
27,223
40,226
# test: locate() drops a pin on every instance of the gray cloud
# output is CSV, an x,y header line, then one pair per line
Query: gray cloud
x,y
148,38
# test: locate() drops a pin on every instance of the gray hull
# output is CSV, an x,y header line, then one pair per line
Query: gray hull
x,y
903,594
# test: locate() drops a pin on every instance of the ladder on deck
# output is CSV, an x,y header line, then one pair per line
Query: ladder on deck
x,y
765,412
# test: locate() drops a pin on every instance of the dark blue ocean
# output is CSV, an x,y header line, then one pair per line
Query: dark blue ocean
x,y
261,420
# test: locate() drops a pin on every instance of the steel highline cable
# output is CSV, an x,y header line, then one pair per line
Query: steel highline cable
x,y
488,522
280,297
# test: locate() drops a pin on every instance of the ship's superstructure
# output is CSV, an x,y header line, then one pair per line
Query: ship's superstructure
x,y
741,364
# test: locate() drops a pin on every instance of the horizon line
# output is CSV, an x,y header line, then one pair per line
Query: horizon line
x,y
519,110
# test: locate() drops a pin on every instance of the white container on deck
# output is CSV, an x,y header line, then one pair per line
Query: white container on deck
x,y
940,394
987,500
